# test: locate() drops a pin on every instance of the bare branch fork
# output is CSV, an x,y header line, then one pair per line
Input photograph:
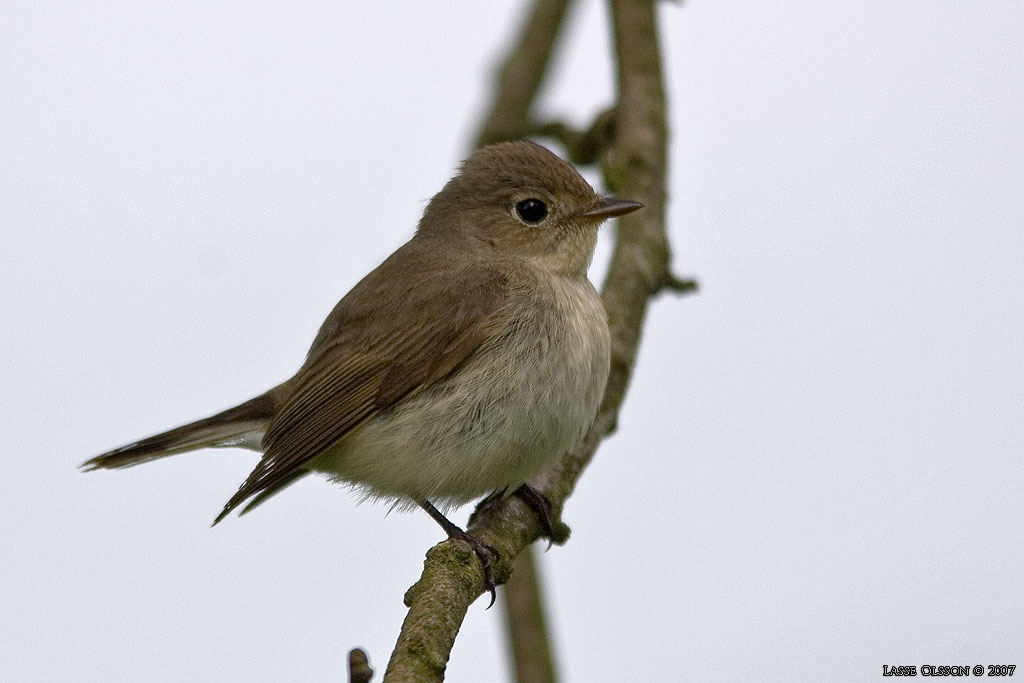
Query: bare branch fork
x,y
631,142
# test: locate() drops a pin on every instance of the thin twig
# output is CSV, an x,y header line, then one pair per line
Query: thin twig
x,y
583,147
452,578
522,73
525,623
359,670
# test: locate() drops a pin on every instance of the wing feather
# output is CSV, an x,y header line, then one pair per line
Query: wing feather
x,y
402,328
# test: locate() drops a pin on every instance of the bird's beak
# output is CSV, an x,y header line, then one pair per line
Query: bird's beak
x,y
609,207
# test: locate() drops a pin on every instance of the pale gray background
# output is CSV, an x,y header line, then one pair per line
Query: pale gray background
x,y
818,470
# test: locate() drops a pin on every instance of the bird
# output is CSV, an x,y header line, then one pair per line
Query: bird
x,y
465,364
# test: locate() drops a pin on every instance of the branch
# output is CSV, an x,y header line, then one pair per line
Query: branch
x,y
452,577
525,625
522,73
583,147
359,670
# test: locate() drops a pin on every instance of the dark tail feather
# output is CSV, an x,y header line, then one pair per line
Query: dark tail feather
x,y
223,429
264,495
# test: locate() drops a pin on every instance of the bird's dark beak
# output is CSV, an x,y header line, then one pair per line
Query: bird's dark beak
x,y
610,207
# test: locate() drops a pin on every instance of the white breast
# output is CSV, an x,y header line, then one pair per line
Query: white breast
x,y
519,403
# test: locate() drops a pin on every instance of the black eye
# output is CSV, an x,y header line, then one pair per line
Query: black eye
x,y
532,210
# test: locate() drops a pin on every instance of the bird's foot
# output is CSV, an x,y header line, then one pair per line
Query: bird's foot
x,y
541,507
487,553
555,529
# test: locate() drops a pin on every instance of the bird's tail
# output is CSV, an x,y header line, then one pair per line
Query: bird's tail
x,y
242,425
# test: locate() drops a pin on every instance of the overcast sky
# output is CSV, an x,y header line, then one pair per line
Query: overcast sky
x,y
818,470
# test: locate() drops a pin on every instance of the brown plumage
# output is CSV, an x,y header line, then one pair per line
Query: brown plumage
x,y
468,360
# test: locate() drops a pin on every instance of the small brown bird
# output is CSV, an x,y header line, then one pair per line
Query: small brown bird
x,y
467,362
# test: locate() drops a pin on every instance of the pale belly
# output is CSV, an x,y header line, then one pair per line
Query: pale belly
x,y
513,408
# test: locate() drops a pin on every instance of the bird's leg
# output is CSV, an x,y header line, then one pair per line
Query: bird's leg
x,y
484,551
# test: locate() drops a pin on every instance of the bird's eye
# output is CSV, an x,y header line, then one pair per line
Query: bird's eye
x,y
531,210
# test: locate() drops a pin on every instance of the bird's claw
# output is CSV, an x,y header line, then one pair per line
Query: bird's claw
x,y
485,552
541,506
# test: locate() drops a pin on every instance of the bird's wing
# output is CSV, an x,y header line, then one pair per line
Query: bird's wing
x,y
401,329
